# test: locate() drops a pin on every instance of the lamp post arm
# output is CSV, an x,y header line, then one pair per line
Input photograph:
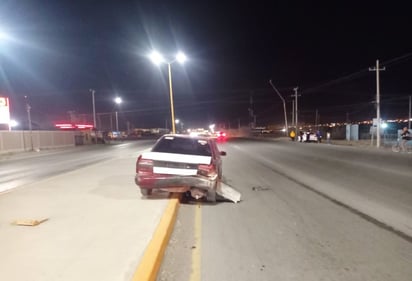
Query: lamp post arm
x,y
284,107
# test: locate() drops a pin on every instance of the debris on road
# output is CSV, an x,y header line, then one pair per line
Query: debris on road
x,y
228,193
29,222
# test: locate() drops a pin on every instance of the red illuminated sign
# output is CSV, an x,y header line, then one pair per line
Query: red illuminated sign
x,y
68,126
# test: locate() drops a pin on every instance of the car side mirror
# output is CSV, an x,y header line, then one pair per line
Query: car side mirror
x,y
223,153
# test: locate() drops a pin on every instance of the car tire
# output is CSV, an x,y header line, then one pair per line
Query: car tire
x,y
145,191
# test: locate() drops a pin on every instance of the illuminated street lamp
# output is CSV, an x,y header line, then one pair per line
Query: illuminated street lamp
x,y
117,100
178,121
158,59
13,123
4,36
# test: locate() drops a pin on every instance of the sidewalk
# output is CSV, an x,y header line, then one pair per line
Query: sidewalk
x,y
98,227
364,144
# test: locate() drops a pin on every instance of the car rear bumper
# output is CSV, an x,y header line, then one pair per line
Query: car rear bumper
x,y
172,181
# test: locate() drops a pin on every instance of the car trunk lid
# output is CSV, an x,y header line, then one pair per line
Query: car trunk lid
x,y
176,164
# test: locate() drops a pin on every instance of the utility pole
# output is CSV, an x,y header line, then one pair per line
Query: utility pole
x,y
284,107
28,108
251,115
409,119
378,107
296,111
293,113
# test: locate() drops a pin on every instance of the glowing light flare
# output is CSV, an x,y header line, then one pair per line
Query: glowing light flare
x,y
212,128
13,123
181,57
65,126
156,58
118,100
73,126
3,36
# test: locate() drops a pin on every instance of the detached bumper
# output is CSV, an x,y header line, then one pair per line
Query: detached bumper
x,y
171,181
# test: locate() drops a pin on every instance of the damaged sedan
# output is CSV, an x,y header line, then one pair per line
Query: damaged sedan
x,y
181,163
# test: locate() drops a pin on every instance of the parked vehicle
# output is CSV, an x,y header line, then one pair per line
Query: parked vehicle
x,y
309,137
181,163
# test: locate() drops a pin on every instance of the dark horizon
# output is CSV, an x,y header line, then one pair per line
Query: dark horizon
x,y
62,49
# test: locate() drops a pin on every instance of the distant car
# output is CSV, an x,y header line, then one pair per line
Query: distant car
x,y
220,136
308,137
181,163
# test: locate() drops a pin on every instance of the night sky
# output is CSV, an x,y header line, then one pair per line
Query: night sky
x,y
58,50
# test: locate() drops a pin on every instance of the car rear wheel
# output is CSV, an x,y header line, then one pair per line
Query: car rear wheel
x,y
145,191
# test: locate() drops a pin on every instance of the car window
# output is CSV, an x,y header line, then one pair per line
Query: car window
x,y
183,146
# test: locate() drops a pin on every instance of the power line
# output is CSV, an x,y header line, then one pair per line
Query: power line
x,y
356,74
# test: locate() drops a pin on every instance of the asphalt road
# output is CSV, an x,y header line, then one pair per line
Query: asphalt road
x,y
19,169
308,212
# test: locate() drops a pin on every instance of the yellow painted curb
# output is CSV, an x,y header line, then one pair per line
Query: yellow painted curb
x,y
152,258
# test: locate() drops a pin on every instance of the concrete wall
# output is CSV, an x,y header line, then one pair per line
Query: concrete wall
x,y
18,141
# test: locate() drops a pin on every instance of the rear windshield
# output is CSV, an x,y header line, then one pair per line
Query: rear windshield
x,y
183,146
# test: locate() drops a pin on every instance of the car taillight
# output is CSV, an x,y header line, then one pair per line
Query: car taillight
x,y
144,165
206,170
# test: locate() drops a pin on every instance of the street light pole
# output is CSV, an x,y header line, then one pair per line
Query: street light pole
x,y
296,111
94,108
172,110
157,59
117,100
117,122
378,103
284,107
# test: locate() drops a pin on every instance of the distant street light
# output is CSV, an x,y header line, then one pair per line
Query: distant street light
x,y
118,101
158,59
178,121
13,123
